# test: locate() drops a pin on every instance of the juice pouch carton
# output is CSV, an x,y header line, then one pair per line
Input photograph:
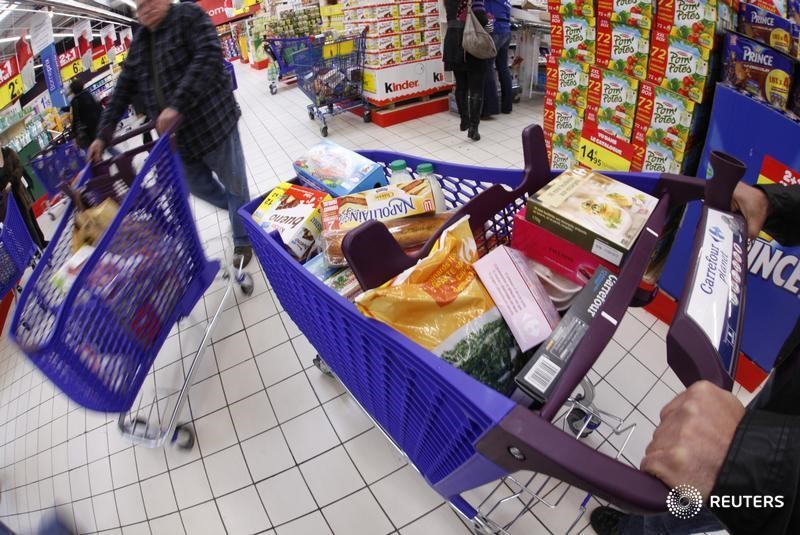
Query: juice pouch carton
x,y
569,79
611,101
666,116
759,70
573,37
622,48
580,8
693,20
562,156
653,156
568,124
764,27
633,13
679,65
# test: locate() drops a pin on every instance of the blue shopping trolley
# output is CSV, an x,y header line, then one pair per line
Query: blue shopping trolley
x,y
17,248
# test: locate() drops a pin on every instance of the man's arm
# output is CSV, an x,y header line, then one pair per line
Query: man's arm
x,y
762,460
782,222
207,54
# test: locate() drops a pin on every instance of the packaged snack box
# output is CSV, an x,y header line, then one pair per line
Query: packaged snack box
x,y
561,154
759,70
595,212
580,8
666,116
338,170
569,79
693,20
382,27
410,39
410,24
409,9
653,156
562,120
389,57
430,9
765,27
727,16
679,65
293,211
778,7
633,13
622,48
611,101
573,37
795,51
382,204
408,54
431,37
386,11
431,23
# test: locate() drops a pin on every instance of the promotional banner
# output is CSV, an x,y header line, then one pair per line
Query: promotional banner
x,y
25,62
771,156
70,64
52,76
82,33
108,36
222,11
41,32
10,82
125,37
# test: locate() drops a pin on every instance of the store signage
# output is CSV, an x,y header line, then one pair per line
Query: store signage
x,y
222,11
25,62
99,58
82,34
125,38
120,53
41,32
602,151
70,64
52,76
108,36
10,82
384,85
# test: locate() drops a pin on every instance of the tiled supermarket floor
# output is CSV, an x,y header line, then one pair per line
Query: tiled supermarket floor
x,y
281,448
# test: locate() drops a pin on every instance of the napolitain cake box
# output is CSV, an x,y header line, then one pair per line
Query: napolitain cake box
x,y
593,211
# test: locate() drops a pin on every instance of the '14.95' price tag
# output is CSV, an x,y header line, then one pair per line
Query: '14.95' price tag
x,y
603,152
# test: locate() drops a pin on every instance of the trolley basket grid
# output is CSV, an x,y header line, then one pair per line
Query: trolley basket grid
x,y
330,71
58,163
17,248
282,50
457,432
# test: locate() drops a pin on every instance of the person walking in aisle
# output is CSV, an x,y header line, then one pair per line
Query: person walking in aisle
x,y
13,174
85,112
708,440
468,70
501,11
175,66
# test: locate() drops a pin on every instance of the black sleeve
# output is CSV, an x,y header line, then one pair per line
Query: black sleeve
x,y
783,223
124,92
762,460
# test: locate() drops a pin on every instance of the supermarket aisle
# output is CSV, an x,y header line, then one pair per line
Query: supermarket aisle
x,y
281,448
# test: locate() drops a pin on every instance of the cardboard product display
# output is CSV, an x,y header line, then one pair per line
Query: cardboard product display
x,y
760,70
573,37
569,79
766,28
667,117
611,101
679,65
632,13
622,48
695,21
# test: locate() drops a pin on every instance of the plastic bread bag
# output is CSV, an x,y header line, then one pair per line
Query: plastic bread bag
x,y
409,232
441,304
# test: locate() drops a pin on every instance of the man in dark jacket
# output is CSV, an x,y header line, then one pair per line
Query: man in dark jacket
x,y
175,67
708,440
85,112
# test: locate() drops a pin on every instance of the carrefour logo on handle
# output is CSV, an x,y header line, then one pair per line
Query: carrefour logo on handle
x,y
716,234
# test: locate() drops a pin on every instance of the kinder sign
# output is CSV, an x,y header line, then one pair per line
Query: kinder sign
x,y
402,81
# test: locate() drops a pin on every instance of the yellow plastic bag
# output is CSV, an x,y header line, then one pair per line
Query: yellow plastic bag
x,y
441,304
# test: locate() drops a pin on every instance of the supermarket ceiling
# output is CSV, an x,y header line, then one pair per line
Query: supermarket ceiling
x,y
16,17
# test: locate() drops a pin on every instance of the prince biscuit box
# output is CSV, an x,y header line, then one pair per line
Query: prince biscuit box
x,y
394,201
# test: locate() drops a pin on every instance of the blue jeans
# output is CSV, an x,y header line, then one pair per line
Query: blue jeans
x,y
228,189
491,105
668,524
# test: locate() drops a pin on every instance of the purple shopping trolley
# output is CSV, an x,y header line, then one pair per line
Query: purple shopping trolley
x,y
461,434
17,248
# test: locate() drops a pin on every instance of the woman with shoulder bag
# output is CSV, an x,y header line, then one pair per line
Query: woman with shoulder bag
x,y
12,172
468,69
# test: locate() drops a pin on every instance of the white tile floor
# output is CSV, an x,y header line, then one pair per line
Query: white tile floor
x,y
281,449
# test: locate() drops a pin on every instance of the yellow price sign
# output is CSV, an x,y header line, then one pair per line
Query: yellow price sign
x,y
70,71
369,81
99,62
121,57
603,152
10,91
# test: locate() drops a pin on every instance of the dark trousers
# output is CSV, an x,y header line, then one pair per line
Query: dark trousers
x,y
491,104
469,81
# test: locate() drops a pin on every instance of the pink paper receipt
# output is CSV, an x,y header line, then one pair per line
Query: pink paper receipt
x,y
510,279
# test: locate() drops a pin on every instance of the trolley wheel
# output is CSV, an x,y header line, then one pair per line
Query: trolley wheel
x,y
130,427
322,366
577,419
246,284
367,116
324,131
273,89
183,438
311,114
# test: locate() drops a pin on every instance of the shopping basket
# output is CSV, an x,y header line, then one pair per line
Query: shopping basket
x,y
17,249
282,50
97,338
330,71
459,433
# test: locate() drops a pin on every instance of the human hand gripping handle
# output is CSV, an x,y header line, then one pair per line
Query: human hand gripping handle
x,y
167,119
690,444
753,204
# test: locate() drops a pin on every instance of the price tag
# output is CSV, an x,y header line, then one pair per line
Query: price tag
x,y
10,91
121,57
70,71
99,63
603,152
369,81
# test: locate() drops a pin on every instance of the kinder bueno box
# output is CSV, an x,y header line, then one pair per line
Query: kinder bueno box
x,y
430,23
679,65
386,11
764,27
409,9
410,24
580,8
633,13
388,58
692,20
430,9
410,39
622,48
611,101
431,37
757,69
653,156
569,79
383,42
665,116
383,27
573,37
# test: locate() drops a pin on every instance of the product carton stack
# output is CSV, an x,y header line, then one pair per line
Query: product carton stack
x,y
640,70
